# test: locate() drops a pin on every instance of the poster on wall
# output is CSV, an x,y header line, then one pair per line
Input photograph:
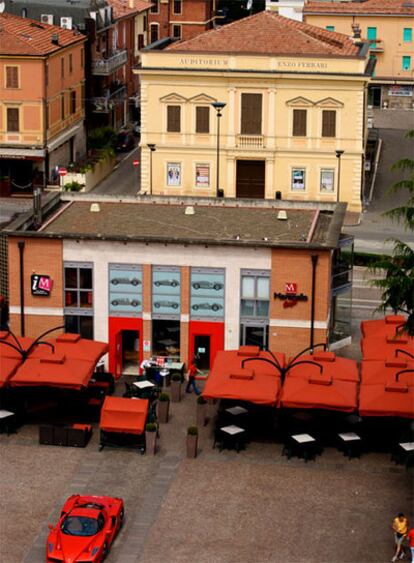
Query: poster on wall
x,y
202,175
327,180
298,179
166,291
207,293
125,290
173,174
403,91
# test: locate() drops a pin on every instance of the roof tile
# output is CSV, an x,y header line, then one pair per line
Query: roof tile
x,y
369,7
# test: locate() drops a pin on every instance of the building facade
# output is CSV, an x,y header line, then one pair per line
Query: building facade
x,y
294,121
187,277
42,75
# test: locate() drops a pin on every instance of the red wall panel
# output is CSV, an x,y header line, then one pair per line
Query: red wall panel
x,y
116,326
214,330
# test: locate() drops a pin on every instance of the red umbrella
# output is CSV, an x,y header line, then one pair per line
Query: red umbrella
x,y
11,344
374,372
392,399
333,366
124,415
382,327
73,346
383,347
8,366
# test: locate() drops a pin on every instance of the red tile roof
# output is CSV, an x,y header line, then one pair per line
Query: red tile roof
x,y
270,34
23,36
369,7
123,8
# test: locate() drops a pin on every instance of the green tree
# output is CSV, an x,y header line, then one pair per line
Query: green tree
x,y
398,284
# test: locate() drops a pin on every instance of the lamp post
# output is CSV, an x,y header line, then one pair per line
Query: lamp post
x,y
151,147
338,153
218,106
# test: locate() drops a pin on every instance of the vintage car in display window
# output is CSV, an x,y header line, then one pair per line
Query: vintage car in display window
x,y
169,304
172,283
125,302
209,306
208,285
125,281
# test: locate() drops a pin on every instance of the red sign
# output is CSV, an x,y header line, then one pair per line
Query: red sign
x,y
62,171
291,288
160,361
135,162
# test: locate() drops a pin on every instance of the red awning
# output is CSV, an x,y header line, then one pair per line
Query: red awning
x,y
319,392
53,371
374,372
7,368
384,347
124,415
391,399
73,346
258,382
342,369
382,327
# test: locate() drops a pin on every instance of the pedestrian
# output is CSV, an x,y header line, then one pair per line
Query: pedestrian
x,y
410,537
192,371
400,527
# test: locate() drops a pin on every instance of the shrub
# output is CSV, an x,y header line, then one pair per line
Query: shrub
x,y
150,427
73,186
192,431
101,138
164,397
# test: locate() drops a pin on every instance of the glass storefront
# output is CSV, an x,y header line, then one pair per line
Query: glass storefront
x,y
166,338
125,290
254,308
166,292
207,293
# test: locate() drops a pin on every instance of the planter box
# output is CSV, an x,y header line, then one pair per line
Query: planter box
x,y
90,178
163,408
192,442
150,443
175,391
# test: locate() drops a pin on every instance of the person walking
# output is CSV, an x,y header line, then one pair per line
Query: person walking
x,y
410,537
192,371
400,527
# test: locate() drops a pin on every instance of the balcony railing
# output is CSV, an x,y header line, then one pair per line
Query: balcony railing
x,y
250,141
106,66
104,104
376,46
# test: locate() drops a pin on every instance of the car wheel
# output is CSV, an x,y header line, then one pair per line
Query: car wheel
x,y
134,303
175,305
196,285
134,282
114,303
215,307
105,551
195,307
217,286
115,282
157,305
157,283
174,283
121,518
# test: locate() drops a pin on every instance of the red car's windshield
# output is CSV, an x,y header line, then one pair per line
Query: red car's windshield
x,y
80,526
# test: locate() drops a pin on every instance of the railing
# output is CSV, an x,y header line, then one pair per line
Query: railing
x,y
105,66
374,47
250,141
104,104
341,276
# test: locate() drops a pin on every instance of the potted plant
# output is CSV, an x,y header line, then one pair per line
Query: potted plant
x,y
201,411
192,441
150,438
176,387
163,407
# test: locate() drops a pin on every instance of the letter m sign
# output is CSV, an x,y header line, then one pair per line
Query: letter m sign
x,y
291,288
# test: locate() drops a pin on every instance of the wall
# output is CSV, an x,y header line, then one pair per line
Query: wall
x,y
91,178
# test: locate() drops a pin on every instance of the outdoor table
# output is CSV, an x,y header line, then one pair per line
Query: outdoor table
x,y
7,421
237,415
143,384
233,437
350,444
404,454
301,445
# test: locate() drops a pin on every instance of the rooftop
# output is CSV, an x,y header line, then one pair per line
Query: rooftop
x,y
124,8
270,34
194,221
369,7
23,36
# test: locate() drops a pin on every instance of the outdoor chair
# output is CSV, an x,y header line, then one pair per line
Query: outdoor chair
x,y
129,390
303,446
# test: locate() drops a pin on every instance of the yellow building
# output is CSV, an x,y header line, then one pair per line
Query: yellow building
x,y
388,25
295,95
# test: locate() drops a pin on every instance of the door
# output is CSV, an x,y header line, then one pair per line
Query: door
x,y
202,351
374,97
250,178
255,335
130,352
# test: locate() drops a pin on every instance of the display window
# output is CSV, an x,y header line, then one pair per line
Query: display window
x,y
125,290
207,293
166,338
166,291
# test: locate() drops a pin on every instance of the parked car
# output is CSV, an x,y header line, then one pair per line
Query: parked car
x,y
86,529
125,141
208,285
127,281
169,304
211,306
172,283
126,301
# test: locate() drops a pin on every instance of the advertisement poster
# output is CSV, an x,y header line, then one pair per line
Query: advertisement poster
x,y
202,175
173,174
298,179
327,180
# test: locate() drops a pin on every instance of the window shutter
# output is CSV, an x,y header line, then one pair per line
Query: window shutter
x,y
12,77
202,119
73,101
12,119
299,122
251,114
173,119
329,123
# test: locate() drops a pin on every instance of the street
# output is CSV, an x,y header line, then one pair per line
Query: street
x,y
125,179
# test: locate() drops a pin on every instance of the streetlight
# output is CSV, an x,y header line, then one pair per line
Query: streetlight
x,y
218,106
338,153
151,147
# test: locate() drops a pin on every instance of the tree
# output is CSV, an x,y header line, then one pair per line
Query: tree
x,y
398,284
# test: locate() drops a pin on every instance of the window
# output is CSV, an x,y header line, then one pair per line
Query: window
x,y
73,101
62,67
78,286
173,119
140,41
177,31
251,114
12,77
177,6
255,291
155,7
78,324
207,292
298,179
330,27
406,63
408,34
62,106
166,292
202,119
46,74
299,122
12,119
327,180
166,338
371,36
82,57
24,12
145,23
328,123
154,32
70,63
202,175
125,290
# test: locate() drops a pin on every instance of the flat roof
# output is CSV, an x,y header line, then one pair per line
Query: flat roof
x,y
184,220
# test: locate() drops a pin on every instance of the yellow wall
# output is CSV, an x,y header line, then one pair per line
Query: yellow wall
x,y
390,38
276,146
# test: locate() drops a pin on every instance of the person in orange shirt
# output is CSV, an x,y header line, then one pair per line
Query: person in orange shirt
x,y
400,527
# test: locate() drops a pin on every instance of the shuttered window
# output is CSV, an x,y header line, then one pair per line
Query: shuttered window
x,y
12,77
328,123
251,114
173,119
299,122
202,119
73,101
12,119
62,106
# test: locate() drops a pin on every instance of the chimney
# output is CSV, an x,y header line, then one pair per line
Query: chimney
x,y
55,39
131,3
356,37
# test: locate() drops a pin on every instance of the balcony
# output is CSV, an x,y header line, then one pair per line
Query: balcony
x,y
250,141
376,46
105,104
106,66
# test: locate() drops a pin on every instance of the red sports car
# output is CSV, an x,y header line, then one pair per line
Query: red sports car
x,y
86,529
